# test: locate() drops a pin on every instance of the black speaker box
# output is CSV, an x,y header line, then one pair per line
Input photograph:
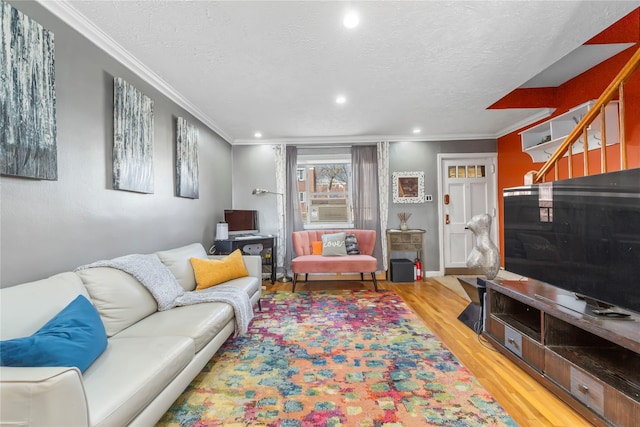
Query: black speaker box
x,y
401,270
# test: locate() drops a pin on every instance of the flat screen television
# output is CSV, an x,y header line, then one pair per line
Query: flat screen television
x,y
241,221
580,234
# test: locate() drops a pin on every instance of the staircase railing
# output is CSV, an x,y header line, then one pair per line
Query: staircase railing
x,y
615,88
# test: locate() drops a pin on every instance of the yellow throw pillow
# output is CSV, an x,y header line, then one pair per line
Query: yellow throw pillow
x,y
211,272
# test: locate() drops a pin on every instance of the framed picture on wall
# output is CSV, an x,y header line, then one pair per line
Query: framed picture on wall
x,y
132,138
28,132
187,180
408,187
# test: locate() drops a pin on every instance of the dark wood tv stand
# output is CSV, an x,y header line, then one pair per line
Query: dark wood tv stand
x,y
590,362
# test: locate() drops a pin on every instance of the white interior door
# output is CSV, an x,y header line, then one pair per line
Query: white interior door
x,y
468,187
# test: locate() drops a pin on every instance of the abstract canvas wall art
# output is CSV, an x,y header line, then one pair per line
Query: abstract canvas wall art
x,y
187,184
132,138
27,97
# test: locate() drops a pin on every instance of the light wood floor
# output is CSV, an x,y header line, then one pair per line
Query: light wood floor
x,y
528,402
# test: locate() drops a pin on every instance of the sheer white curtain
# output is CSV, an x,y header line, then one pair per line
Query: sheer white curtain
x,y
383,199
364,163
281,187
288,206
293,214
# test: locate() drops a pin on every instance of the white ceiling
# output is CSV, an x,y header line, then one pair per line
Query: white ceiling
x,y
277,66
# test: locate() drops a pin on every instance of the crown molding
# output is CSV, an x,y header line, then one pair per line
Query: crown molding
x,y
67,13
542,114
370,139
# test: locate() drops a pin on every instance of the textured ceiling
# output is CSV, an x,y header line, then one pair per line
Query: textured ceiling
x,y
277,67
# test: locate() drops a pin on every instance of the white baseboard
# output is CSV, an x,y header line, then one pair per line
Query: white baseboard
x,y
435,273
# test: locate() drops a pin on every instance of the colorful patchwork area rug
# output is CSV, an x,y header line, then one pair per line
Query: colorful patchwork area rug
x,y
335,358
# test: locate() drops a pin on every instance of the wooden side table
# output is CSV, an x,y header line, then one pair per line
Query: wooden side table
x,y
405,241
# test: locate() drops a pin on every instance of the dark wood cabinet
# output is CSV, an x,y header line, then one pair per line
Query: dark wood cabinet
x,y
265,246
592,363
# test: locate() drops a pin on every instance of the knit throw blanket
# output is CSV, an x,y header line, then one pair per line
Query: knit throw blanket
x,y
168,293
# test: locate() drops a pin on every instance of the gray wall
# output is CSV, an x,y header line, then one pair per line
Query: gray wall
x,y
53,226
254,166
423,156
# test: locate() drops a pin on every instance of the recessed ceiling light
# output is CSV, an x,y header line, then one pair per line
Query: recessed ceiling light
x,y
258,135
351,19
417,130
341,99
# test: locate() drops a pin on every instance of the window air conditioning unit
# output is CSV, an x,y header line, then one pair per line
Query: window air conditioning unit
x,y
332,213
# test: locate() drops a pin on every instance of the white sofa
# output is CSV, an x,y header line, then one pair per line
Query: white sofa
x,y
151,355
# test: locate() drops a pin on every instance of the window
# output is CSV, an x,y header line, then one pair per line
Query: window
x,y
470,171
325,190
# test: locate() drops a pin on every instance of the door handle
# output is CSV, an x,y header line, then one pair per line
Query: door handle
x,y
446,199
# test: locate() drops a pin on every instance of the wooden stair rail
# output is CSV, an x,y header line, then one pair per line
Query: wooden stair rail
x,y
581,128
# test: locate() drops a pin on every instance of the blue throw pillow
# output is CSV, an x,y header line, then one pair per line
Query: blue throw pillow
x,y
74,337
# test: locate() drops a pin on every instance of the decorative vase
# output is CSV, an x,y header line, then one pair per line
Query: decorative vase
x,y
404,226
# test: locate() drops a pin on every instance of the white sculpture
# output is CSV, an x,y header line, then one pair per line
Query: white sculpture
x,y
484,254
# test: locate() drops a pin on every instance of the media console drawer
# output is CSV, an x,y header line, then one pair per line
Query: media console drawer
x,y
587,389
583,386
518,343
513,340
